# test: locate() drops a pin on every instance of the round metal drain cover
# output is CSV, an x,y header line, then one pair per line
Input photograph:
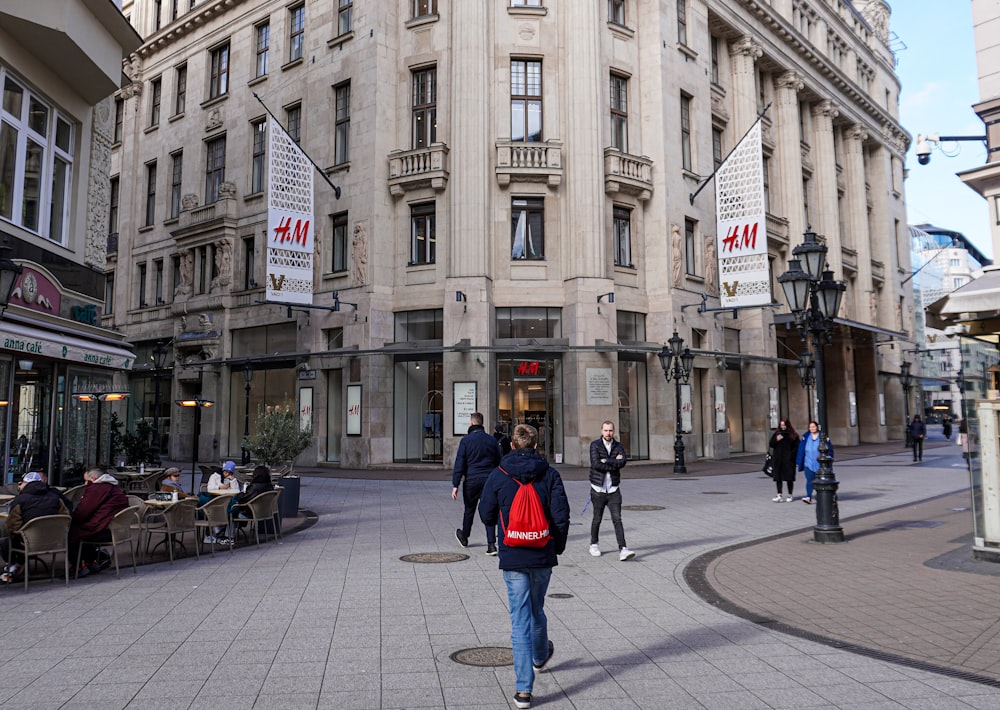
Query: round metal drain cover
x,y
430,558
484,656
715,493
560,595
643,507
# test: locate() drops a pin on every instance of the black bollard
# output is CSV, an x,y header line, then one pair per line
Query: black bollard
x,y
825,495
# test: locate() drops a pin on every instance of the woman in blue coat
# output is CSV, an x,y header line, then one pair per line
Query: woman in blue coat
x,y
807,460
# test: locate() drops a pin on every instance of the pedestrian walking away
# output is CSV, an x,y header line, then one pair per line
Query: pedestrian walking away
x,y
607,458
807,458
946,428
478,454
784,446
500,434
918,432
527,570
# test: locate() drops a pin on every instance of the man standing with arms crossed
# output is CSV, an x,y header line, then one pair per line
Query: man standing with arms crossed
x,y
478,454
607,458
527,570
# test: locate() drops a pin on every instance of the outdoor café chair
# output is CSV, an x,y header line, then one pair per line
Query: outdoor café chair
x,y
178,518
121,532
74,494
44,535
262,508
215,514
145,485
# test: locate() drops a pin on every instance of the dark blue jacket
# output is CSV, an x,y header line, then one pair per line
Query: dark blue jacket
x,y
918,430
613,466
498,493
478,454
800,457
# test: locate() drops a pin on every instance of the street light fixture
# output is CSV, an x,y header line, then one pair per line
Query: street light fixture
x,y
907,380
159,359
676,361
198,404
100,397
248,377
808,378
814,298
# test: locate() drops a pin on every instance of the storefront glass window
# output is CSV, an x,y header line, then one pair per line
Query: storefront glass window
x,y
530,392
334,413
418,410
633,406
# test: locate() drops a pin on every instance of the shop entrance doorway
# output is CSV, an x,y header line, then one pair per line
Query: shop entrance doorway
x,y
530,392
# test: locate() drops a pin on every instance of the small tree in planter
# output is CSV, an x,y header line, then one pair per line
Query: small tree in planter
x,y
279,438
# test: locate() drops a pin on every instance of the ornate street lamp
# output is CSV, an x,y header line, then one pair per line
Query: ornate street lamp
x,y
9,271
159,360
814,298
807,378
676,361
907,380
198,404
248,378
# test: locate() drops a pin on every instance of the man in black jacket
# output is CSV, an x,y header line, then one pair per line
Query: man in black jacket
x,y
607,458
527,570
918,431
34,499
478,454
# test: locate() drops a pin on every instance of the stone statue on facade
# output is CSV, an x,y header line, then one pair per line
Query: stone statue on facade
x,y
676,254
359,255
223,264
186,285
711,263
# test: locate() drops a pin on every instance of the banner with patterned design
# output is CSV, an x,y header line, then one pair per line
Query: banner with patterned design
x,y
290,221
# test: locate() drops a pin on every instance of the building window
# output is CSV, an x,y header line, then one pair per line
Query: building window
x,y
176,170
682,23
150,194
157,13
339,242
529,322
622,236
345,17
954,263
109,293
180,91
155,97
175,273
141,285
410,326
423,8
766,165
805,200
715,60
293,122
205,267
248,262
525,3
113,205
957,282
296,32
525,100
424,107
342,123
119,119
158,281
686,132
619,113
215,168
717,147
423,238
218,84
258,162
527,228
616,12
263,32
631,326
690,248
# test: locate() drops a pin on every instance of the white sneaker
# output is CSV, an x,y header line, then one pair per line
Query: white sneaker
x,y
788,499
595,550
777,498
625,554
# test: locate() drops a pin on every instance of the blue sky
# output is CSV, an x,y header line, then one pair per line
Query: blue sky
x,y
937,70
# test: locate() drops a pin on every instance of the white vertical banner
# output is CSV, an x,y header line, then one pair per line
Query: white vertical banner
x,y
290,232
741,229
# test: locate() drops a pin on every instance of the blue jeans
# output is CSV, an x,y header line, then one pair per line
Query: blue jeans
x,y
810,475
529,636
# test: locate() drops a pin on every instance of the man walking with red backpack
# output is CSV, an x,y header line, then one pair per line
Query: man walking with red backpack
x,y
527,567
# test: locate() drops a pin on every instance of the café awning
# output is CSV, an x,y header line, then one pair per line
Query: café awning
x,y
976,302
29,342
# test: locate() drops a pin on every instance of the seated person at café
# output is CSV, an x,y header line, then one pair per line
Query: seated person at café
x,y
101,500
260,482
220,483
34,499
171,483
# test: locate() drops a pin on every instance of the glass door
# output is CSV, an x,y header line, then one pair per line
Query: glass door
x,y
531,393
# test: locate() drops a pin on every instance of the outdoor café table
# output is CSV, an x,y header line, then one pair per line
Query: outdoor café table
x,y
161,504
6,498
225,492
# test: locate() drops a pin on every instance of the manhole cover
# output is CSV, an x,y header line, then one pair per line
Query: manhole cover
x,y
430,558
715,493
911,524
560,595
484,656
643,507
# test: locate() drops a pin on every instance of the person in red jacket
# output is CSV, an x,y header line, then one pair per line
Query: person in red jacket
x,y
101,500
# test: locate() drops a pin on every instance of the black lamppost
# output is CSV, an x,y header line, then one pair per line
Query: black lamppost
x,y
907,381
814,298
676,361
807,378
198,404
159,359
248,378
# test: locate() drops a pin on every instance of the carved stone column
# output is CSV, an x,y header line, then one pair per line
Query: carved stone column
x,y
743,55
826,220
789,153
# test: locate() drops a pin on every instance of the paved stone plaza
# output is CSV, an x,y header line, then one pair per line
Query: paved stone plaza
x,y
333,618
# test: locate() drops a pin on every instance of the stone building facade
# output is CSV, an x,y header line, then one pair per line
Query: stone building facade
x,y
504,168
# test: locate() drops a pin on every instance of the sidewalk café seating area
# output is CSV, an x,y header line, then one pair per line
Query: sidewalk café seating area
x,y
45,543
